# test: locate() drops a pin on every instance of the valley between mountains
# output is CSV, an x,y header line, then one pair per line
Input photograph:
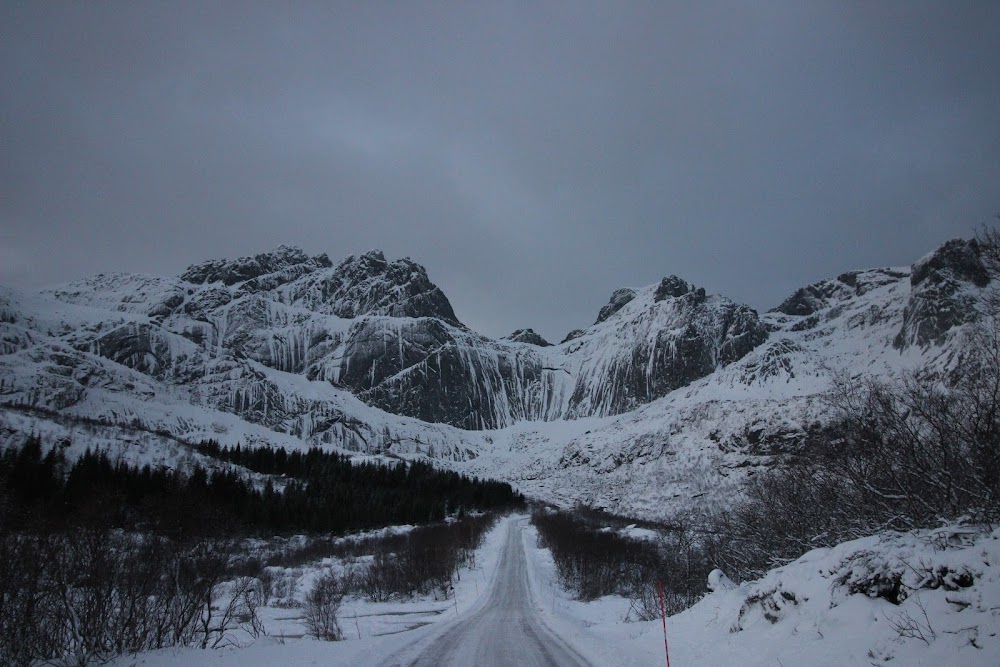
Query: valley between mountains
x,y
210,460
661,407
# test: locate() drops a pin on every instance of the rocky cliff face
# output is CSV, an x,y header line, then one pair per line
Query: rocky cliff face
x,y
427,369
384,332
648,342
945,288
368,355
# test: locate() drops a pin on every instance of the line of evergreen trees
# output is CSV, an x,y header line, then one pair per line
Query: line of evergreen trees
x,y
322,492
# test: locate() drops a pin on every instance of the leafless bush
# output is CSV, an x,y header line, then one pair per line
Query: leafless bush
x,y
422,561
22,604
85,596
593,562
903,454
322,605
265,585
907,626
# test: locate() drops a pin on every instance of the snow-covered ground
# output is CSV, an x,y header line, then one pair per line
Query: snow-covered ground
x,y
822,609
372,630
924,598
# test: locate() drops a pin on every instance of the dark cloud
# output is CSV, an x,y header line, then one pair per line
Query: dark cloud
x,y
533,156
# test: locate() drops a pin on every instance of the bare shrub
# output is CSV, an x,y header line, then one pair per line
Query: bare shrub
x,y
593,561
322,605
422,561
902,454
22,600
85,596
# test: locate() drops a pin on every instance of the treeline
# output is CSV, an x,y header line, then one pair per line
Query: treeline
x,y
322,492
594,560
83,596
99,558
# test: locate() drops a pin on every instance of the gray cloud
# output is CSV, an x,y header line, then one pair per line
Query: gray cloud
x,y
533,156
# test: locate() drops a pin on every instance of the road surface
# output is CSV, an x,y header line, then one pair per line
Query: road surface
x,y
506,630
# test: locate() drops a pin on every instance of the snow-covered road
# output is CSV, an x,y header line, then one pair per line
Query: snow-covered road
x,y
504,629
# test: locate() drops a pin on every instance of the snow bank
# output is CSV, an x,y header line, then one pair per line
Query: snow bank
x,y
923,598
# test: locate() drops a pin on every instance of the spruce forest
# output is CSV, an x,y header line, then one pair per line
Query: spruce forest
x,y
312,491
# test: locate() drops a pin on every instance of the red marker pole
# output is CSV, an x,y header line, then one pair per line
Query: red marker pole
x,y
663,613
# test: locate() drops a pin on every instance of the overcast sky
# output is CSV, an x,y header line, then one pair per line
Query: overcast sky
x,y
533,156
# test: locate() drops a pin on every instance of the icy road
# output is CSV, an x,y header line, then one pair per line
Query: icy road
x,y
505,629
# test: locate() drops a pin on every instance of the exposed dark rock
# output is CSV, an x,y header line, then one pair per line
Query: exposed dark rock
x,y
675,342
774,439
527,336
573,335
945,291
134,345
370,285
773,362
166,307
742,331
957,259
426,369
804,301
813,298
619,298
206,301
230,272
850,278
810,322
671,286
271,281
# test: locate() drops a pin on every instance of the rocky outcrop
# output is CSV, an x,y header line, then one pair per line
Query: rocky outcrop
x,y
230,272
370,285
619,298
435,372
672,286
944,293
814,298
527,336
674,334
958,260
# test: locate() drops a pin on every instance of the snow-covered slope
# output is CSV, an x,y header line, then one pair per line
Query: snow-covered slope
x,y
665,403
923,598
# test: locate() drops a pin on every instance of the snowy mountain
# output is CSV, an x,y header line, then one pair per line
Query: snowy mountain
x,y
665,403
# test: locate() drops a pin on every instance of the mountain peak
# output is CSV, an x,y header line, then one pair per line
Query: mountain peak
x,y
672,286
945,287
527,336
957,259
230,272
619,298
371,284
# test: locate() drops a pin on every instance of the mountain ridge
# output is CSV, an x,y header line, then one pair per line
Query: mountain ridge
x,y
670,386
